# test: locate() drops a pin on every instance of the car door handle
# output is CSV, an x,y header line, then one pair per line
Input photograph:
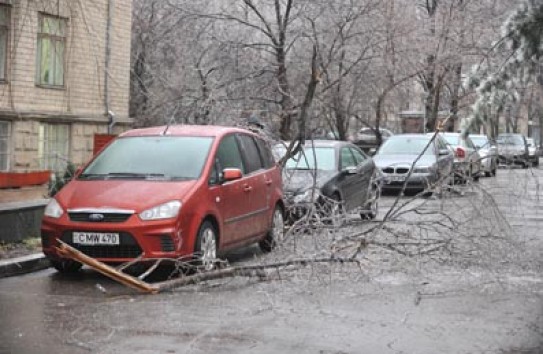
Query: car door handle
x,y
268,181
247,188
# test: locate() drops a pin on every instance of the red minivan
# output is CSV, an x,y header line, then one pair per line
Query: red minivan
x,y
169,192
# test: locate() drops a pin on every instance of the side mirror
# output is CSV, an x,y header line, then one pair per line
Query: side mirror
x,y
351,170
372,151
444,152
231,174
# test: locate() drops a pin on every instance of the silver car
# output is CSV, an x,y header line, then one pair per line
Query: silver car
x,y
533,152
488,153
396,159
513,149
467,162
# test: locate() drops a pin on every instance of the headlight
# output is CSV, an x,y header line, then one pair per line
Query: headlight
x,y
163,211
308,196
53,209
422,170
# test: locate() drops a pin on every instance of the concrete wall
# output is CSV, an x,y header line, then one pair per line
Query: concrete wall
x,y
21,220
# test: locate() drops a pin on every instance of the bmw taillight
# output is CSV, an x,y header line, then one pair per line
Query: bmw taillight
x,y
460,153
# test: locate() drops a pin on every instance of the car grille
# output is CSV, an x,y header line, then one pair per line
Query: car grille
x,y
166,243
397,170
106,217
128,247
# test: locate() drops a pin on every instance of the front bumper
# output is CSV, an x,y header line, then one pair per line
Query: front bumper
x,y
414,182
148,240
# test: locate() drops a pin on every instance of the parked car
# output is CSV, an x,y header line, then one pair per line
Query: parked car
x,y
326,170
467,161
513,149
367,140
169,192
396,159
533,152
488,152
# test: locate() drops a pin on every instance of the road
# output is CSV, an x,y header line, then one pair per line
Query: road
x,y
486,298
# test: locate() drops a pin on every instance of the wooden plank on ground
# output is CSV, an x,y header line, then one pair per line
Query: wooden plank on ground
x,y
67,251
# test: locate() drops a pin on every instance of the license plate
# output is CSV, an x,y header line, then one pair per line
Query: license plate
x,y
396,178
96,238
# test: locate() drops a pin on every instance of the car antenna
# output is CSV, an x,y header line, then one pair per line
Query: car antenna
x,y
168,125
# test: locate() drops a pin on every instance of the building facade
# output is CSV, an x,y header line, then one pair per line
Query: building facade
x,y
64,77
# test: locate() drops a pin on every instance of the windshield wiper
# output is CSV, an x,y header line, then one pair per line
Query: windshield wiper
x,y
135,175
92,176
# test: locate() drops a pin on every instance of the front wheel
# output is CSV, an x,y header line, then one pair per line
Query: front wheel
x,y
205,248
372,204
66,266
276,233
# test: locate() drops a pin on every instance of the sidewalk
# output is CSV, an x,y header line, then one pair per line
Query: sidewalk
x,y
21,265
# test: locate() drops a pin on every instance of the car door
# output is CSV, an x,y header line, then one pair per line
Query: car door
x,y
366,169
474,157
350,179
444,160
233,198
257,184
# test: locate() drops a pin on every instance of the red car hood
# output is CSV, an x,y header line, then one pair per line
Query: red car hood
x,y
121,194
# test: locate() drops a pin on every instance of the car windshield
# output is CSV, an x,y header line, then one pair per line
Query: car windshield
x,y
398,145
320,158
510,140
480,141
163,158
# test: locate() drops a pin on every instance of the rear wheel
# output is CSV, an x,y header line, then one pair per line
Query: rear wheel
x,y
276,233
66,266
205,248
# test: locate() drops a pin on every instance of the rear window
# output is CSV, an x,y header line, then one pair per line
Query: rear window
x,y
151,157
320,158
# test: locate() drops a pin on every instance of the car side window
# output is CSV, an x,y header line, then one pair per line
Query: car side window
x,y
251,154
358,156
441,145
228,154
265,153
346,158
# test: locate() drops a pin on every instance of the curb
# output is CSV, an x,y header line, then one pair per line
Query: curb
x,y
22,265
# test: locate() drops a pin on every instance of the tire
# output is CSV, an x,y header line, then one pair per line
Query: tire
x,y
66,266
337,212
205,248
373,206
276,233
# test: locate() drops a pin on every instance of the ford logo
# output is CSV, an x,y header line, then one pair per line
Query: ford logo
x,y
96,217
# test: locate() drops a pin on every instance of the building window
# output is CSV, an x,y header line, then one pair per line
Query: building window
x,y
54,146
4,145
51,46
4,40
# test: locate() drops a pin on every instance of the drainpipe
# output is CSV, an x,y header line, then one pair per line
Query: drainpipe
x,y
109,113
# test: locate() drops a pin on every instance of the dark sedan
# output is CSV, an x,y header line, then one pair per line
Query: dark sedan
x,y
330,173
397,159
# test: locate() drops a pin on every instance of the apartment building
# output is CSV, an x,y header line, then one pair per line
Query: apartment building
x,y
64,77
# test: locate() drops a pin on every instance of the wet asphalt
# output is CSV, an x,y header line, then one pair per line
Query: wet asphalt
x,y
389,306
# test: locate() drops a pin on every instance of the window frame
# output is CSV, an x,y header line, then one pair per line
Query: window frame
x,y
7,153
7,28
54,38
44,155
